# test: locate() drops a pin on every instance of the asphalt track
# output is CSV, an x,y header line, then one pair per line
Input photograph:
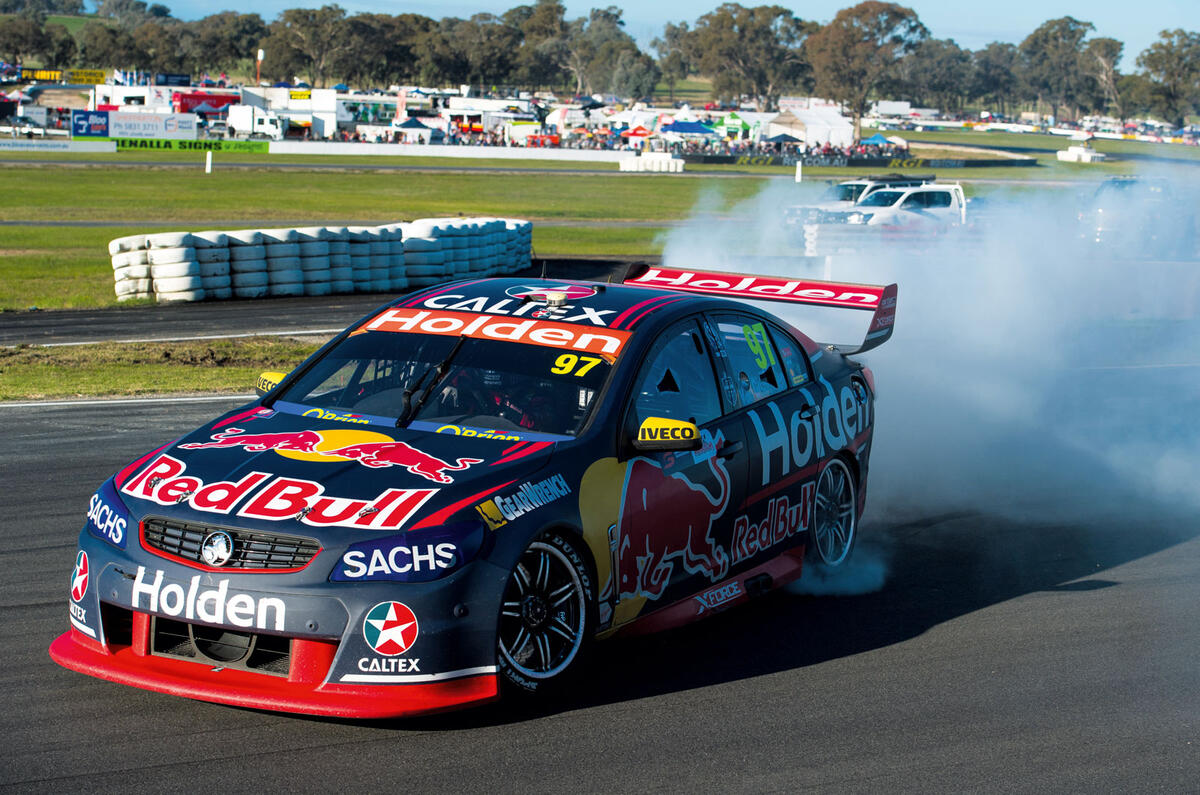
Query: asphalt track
x,y
324,315
1000,656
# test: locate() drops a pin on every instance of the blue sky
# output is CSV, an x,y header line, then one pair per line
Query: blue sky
x,y
971,24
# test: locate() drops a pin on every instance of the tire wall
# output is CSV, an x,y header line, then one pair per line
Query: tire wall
x,y
317,260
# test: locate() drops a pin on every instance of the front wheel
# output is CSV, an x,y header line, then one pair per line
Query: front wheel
x,y
546,615
835,520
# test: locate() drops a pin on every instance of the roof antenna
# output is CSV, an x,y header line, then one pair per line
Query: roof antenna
x,y
543,269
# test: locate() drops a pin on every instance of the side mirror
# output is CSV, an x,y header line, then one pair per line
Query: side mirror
x,y
267,381
660,433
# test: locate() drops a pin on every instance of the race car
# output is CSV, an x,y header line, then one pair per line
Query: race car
x,y
463,490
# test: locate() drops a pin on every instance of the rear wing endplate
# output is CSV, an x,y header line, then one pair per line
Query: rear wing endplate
x,y
877,299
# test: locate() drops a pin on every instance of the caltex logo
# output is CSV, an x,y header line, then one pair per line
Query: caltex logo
x,y
534,292
390,628
79,580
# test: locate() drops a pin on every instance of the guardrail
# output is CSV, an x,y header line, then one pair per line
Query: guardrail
x,y
317,260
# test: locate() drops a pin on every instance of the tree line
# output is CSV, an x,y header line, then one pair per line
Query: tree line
x,y
869,51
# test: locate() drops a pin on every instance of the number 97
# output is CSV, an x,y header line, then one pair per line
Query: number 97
x,y
756,340
570,364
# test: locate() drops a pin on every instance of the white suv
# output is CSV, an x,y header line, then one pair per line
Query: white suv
x,y
940,204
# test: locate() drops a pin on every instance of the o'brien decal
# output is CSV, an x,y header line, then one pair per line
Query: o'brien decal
x,y
333,415
547,333
856,296
274,499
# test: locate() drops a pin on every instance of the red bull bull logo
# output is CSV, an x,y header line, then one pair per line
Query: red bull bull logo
x,y
300,441
388,454
376,451
667,520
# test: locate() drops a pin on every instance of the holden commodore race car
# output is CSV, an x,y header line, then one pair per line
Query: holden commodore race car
x,y
462,491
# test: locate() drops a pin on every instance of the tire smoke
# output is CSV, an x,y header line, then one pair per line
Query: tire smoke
x,y
1031,373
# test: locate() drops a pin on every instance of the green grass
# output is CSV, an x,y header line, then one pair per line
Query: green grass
x,y
192,197
695,91
57,268
367,162
32,373
71,23
1052,143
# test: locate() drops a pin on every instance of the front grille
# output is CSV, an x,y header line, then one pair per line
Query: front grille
x,y
220,647
251,550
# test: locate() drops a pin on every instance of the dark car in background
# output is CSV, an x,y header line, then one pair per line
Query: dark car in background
x,y
1141,217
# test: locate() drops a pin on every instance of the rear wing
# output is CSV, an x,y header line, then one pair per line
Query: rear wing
x,y
880,300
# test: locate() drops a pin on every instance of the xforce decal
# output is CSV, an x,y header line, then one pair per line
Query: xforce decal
x,y
372,450
548,333
274,499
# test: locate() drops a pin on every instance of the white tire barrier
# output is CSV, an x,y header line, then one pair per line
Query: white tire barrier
x,y
131,272
169,240
254,279
210,240
130,258
175,269
276,250
178,296
130,288
164,256
245,252
130,243
278,264
177,284
210,269
212,254
319,260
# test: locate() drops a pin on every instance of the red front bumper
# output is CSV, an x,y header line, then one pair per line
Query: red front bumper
x,y
296,693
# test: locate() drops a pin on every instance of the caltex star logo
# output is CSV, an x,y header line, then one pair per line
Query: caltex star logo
x,y
390,628
572,292
79,579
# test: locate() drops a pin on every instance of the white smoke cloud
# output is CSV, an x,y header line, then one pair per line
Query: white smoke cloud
x,y
1028,375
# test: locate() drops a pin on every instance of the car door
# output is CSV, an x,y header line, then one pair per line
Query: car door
x,y
777,400
677,507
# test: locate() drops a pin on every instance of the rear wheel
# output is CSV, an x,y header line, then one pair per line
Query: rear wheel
x,y
546,615
835,522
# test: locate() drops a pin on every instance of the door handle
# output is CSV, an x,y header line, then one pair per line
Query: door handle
x,y
730,450
808,412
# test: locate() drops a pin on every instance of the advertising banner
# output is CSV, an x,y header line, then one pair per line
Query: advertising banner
x,y
89,124
93,77
199,102
842,161
170,126
172,79
42,75
215,145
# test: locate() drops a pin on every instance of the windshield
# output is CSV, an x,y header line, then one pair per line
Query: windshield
x,y
881,198
487,384
846,192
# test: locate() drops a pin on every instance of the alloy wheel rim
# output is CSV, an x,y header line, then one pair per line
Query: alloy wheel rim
x,y
834,521
543,613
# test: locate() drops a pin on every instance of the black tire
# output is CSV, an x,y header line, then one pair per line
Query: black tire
x,y
835,515
547,616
